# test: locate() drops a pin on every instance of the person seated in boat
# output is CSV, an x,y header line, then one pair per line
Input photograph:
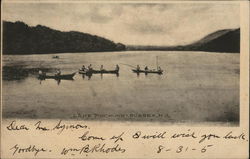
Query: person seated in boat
x,y
146,68
101,68
58,73
138,68
40,72
83,68
90,67
159,68
117,68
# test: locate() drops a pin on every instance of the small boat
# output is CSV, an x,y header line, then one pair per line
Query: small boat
x,y
63,76
99,72
55,57
147,71
158,71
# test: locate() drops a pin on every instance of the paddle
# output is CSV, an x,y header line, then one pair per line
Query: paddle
x,y
157,62
128,65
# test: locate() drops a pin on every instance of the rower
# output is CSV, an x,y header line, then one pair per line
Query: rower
x,y
90,67
58,72
40,72
83,68
138,67
159,68
101,69
117,68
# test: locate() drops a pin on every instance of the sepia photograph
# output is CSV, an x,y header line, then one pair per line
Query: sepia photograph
x,y
127,61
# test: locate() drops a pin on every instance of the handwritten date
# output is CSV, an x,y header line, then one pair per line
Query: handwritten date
x,y
181,149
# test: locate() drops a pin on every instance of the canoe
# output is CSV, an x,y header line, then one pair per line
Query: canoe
x,y
55,57
148,71
99,72
63,76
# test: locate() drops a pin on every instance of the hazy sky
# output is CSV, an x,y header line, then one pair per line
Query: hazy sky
x,y
139,24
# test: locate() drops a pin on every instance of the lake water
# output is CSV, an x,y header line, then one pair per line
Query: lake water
x,y
195,87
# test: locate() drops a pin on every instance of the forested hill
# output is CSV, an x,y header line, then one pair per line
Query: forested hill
x,y
227,40
19,38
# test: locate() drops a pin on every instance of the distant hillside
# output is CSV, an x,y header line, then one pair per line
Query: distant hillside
x,y
19,38
227,40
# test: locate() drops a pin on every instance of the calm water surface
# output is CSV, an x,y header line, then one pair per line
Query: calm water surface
x,y
195,87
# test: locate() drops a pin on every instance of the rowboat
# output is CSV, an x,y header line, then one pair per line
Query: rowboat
x,y
99,72
147,71
63,76
55,57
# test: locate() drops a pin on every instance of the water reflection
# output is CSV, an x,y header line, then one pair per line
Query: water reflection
x,y
58,81
146,74
20,72
89,75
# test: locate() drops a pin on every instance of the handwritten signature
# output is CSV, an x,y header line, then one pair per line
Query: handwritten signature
x,y
101,148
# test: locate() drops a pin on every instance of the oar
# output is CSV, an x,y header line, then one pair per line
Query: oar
x,y
128,65
156,62
75,72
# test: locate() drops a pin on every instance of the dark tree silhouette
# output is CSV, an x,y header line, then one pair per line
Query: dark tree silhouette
x,y
19,38
227,40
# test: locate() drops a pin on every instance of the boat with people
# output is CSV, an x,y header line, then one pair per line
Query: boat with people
x,y
138,70
90,70
147,71
98,71
61,76
55,57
